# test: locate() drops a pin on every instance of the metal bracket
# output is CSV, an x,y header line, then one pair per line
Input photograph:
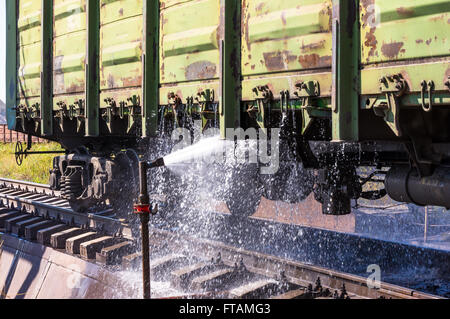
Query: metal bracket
x,y
308,92
175,104
261,113
78,110
427,86
174,100
205,99
111,110
35,112
447,83
307,89
208,109
61,113
190,107
134,110
393,86
284,102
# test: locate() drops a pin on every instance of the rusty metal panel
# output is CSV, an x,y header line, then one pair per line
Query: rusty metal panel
x,y
398,30
280,82
439,70
69,47
112,11
29,48
285,35
189,40
29,21
187,89
121,33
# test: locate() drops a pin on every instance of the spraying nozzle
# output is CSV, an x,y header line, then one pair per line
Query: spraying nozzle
x,y
157,163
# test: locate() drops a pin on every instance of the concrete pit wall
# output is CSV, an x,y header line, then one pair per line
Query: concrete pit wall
x,y
32,271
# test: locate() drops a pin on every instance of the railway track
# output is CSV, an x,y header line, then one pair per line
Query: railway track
x,y
195,268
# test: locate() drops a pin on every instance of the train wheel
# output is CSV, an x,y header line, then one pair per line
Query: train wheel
x,y
243,190
127,180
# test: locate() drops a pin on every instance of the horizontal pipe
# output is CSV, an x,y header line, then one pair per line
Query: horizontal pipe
x,y
156,163
403,184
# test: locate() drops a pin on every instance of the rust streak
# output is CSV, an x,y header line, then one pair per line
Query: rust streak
x,y
111,83
313,46
260,6
75,88
276,61
132,81
246,31
371,41
310,61
405,12
392,50
201,70
437,18
283,18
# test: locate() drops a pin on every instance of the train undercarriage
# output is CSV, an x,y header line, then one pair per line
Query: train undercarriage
x,y
309,163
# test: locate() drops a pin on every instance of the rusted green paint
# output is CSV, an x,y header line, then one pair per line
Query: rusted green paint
x,y
189,40
92,69
286,43
395,30
346,80
115,10
151,69
29,50
11,63
121,45
281,82
279,36
414,74
186,90
46,103
69,50
280,44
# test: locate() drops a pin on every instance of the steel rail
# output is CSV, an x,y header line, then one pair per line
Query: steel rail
x,y
297,273
40,200
16,195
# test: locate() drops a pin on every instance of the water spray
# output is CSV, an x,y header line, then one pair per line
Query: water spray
x,y
144,209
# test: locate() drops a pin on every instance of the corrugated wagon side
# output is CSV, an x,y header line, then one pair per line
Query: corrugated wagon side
x,y
347,83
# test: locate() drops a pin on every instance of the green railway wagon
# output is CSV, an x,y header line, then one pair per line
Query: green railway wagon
x,y
348,83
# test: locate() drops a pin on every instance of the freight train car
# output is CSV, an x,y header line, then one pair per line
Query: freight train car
x,y
350,83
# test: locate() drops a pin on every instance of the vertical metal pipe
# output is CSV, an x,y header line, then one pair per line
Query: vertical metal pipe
x,y
143,190
145,256
345,70
11,63
230,68
425,231
144,200
92,91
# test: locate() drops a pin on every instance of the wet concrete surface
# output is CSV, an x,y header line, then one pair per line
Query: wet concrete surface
x,y
347,252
